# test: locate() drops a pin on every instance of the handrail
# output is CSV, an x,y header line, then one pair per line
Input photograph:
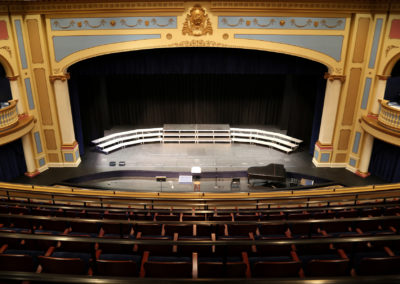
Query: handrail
x,y
240,200
9,115
186,242
174,210
389,116
53,278
164,197
115,221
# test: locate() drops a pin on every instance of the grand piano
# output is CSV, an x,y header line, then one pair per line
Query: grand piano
x,y
272,173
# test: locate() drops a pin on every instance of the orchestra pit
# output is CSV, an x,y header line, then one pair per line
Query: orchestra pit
x,y
199,141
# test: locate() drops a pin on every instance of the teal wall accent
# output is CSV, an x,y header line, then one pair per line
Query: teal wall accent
x,y
297,23
316,154
365,97
356,143
77,155
330,45
38,142
21,45
374,49
66,45
352,162
116,23
325,157
42,162
28,88
69,157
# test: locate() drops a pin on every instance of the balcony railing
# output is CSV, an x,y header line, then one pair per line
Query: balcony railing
x,y
389,115
9,115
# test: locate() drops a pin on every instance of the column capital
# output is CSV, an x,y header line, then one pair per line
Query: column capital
x,y
62,77
13,78
383,77
332,77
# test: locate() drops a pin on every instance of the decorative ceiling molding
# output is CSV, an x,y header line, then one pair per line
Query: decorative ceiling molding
x,y
343,6
139,6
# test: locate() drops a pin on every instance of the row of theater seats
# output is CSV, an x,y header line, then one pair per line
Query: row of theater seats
x,y
251,229
187,261
102,251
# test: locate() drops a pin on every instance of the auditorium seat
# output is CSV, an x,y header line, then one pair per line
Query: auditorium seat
x,y
272,231
63,265
181,229
121,268
242,229
327,267
272,269
171,217
80,228
149,229
167,267
197,217
378,265
54,227
222,270
17,262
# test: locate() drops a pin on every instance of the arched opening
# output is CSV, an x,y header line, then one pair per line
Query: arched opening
x,y
385,157
12,160
197,85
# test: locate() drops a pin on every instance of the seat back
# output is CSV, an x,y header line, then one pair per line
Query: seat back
x,y
123,268
379,265
325,267
17,262
62,265
276,269
168,269
181,229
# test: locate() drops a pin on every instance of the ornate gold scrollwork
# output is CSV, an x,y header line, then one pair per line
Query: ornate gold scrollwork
x,y
308,23
6,48
102,23
338,23
58,25
225,21
271,22
197,22
124,23
170,22
63,77
389,48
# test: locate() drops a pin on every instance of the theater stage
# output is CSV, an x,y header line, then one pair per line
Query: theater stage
x,y
156,158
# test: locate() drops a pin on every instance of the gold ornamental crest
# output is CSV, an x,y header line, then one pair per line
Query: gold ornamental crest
x,y
197,22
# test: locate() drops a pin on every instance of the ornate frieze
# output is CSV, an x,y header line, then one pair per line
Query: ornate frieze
x,y
115,23
302,23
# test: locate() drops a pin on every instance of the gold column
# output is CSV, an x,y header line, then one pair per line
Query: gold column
x,y
365,155
69,147
379,93
323,147
27,144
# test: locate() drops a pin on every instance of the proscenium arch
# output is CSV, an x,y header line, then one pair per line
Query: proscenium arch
x,y
286,66
99,51
7,66
387,70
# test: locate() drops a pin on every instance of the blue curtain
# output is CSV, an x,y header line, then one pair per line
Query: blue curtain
x,y
12,161
385,161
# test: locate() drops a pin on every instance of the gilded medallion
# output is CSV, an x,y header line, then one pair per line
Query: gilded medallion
x,y
197,22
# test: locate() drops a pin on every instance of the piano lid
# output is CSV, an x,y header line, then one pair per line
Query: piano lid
x,y
272,172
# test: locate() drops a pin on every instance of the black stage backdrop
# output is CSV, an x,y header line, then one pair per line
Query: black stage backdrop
x,y
385,157
12,161
196,85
